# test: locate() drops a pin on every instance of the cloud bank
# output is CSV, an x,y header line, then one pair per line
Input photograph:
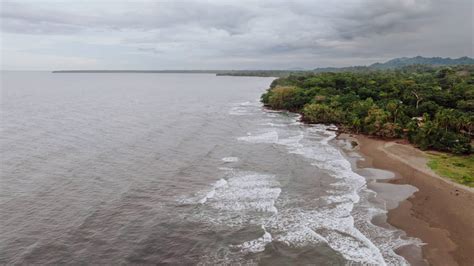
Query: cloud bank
x,y
229,34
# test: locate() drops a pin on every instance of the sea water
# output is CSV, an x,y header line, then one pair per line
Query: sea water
x,y
179,169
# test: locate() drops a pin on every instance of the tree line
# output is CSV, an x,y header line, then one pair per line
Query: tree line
x,y
431,107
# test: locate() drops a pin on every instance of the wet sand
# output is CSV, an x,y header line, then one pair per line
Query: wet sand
x,y
440,213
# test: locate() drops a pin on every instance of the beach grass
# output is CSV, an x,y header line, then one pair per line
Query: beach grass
x,y
458,168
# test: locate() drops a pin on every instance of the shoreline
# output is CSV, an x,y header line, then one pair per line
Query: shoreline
x,y
440,213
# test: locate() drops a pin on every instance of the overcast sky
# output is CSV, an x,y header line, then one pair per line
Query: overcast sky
x,y
240,34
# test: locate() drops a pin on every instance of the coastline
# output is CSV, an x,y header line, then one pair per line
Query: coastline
x,y
440,213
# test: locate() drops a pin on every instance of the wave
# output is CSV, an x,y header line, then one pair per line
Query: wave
x,y
334,225
243,192
244,108
267,137
210,194
230,159
256,245
343,222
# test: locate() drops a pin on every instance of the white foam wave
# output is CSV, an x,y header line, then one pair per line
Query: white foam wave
x,y
275,124
244,191
256,245
343,223
387,239
292,141
226,168
335,225
298,235
244,108
230,159
267,137
248,192
220,183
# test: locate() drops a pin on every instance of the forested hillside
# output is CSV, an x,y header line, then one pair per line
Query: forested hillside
x,y
420,60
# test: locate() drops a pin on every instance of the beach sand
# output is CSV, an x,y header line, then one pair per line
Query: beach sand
x,y
440,213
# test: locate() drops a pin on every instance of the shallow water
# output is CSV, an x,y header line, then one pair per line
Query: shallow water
x,y
173,168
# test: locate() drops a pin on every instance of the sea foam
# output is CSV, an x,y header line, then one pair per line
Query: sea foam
x,y
230,159
334,225
209,195
343,223
256,245
244,108
267,137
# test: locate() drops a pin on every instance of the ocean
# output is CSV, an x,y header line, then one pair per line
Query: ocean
x,y
177,169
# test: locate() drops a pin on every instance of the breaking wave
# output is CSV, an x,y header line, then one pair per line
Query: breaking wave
x,y
343,222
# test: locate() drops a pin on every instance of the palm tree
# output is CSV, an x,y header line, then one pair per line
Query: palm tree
x,y
445,118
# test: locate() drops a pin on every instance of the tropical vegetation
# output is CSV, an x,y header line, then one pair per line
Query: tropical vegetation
x,y
432,107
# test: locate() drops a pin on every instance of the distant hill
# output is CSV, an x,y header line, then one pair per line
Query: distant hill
x,y
396,63
401,62
420,60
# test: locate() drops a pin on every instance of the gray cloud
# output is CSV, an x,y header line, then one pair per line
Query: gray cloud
x,y
247,34
383,17
53,18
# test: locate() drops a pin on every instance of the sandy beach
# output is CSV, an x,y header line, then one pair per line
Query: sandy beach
x,y
440,213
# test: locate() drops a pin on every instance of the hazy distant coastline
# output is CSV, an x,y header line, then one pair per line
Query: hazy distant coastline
x,y
139,71
395,63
